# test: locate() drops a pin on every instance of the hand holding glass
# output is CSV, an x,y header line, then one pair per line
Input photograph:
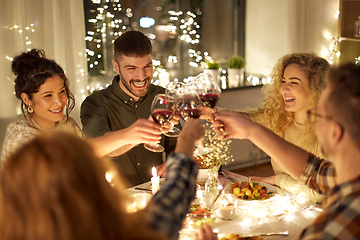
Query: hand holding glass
x,y
162,110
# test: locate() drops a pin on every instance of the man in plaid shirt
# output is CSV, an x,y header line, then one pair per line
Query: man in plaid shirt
x,y
337,123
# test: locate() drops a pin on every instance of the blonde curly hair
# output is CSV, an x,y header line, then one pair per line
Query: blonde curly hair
x,y
271,113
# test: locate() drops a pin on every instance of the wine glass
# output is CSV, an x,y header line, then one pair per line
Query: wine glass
x,y
208,89
171,90
187,102
162,110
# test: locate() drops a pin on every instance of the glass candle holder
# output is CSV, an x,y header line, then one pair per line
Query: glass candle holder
x,y
227,207
137,201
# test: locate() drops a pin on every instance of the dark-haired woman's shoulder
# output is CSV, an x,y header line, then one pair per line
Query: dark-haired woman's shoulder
x,y
17,134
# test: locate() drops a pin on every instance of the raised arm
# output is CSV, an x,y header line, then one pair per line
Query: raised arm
x,y
292,158
115,143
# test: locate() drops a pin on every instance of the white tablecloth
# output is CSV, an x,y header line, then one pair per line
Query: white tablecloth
x,y
285,212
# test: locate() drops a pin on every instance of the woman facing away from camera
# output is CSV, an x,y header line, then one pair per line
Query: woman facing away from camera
x,y
46,102
54,188
297,83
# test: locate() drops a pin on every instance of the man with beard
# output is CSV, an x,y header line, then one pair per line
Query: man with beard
x,y
336,119
125,106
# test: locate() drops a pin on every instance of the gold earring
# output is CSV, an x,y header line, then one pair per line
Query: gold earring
x,y
30,109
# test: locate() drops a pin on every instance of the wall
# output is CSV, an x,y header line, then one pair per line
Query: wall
x,y
278,27
245,153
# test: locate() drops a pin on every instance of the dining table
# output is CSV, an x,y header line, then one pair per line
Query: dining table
x,y
282,216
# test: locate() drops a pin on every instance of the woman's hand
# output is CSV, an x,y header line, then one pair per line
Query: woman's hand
x,y
192,132
207,113
173,121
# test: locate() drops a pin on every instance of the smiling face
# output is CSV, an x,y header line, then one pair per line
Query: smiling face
x,y
295,90
48,103
135,74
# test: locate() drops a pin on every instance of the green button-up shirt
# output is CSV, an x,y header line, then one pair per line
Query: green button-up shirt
x,y
112,109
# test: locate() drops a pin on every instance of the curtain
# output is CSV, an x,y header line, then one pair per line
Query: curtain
x,y
56,26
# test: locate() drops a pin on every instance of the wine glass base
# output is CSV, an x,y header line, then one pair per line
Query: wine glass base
x,y
173,132
154,147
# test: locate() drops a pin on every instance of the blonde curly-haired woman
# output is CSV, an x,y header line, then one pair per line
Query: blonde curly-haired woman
x,y
297,83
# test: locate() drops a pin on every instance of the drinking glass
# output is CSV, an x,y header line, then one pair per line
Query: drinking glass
x,y
187,102
171,90
162,110
207,89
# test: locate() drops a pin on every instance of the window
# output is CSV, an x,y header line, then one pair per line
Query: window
x,y
175,27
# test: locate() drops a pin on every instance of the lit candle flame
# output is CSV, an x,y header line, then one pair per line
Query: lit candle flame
x,y
154,172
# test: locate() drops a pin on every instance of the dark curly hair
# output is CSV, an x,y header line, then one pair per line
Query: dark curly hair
x,y
132,44
32,68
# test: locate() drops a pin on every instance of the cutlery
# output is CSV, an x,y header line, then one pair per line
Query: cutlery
x,y
226,176
221,190
286,233
143,189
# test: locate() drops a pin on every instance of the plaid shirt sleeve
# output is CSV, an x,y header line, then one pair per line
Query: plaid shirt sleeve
x,y
169,206
319,175
292,185
341,212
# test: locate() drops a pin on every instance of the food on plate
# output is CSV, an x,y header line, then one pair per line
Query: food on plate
x,y
198,215
233,236
250,191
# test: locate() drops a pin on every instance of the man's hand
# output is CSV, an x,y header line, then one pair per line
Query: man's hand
x,y
142,131
234,124
161,170
269,180
205,232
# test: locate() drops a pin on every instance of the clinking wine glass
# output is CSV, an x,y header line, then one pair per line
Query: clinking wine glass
x,y
162,110
209,91
171,90
187,103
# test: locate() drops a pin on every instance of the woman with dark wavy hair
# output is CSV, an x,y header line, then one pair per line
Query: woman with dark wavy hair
x,y
46,102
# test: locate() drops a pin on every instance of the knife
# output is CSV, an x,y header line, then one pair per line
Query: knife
x,y
226,176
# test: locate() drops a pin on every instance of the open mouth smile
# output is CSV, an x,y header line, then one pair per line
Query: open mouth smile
x,y
56,111
139,84
289,99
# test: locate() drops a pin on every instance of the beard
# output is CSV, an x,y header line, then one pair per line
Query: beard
x,y
128,85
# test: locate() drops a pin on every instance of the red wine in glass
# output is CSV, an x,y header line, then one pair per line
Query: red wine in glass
x,y
190,113
162,116
209,99
162,110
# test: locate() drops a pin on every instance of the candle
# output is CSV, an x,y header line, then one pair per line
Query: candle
x,y
227,210
155,181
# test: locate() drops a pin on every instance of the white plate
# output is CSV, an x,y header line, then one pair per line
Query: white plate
x,y
269,188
